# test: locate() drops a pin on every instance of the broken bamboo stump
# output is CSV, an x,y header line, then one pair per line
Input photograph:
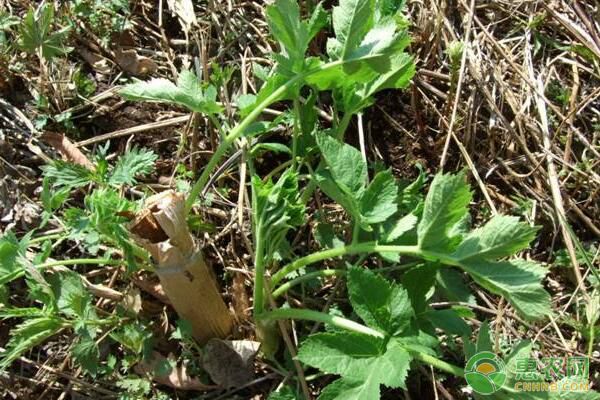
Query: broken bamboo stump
x,y
187,280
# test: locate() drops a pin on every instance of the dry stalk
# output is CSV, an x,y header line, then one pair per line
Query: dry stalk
x,y
187,280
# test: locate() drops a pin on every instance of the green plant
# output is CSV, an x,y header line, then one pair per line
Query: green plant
x,y
63,296
425,241
364,57
36,35
105,18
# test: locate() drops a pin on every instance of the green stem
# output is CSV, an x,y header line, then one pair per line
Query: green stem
x,y
344,122
284,287
591,340
306,277
296,131
240,128
439,364
76,261
317,316
216,123
79,261
341,130
43,238
355,232
368,247
259,274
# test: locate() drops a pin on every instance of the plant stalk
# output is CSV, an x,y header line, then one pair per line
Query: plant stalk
x,y
317,316
368,247
259,275
240,128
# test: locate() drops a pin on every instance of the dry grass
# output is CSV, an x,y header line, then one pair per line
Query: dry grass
x,y
519,107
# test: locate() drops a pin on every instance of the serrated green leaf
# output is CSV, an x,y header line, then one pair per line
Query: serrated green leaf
x,y
288,28
87,355
346,354
348,389
363,48
67,175
188,92
11,249
400,72
451,284
381,304
276,209
35,33
71,296
502,236
519,281
133,163
345,164
343,196
352,19
380,200
445,206
29,334
398,228
448,321
357,357
293,33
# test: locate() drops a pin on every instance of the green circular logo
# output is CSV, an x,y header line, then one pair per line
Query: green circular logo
x,y
485,372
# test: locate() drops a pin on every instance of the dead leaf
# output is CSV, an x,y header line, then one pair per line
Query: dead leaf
x,y
67,149
96,61
184,9
134,64
230,363
178,378
132,301
152,287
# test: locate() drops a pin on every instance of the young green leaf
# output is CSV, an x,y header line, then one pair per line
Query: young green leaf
x,y
352,19
345,164
380,200
382,305
66,175
519,281
277,208
188,92
11,249
71,296
445,206
29,334
502,236
36,36
293,33
131,164
363,48
86,353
